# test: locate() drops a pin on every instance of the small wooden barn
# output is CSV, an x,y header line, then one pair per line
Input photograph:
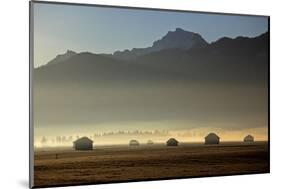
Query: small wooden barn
x,y
150,142
249,138
172,142
212,138
134,143
83,143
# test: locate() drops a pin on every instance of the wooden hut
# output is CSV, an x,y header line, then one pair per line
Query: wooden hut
x,y
150,142
249,138
172,142
83,143
212,138
134,143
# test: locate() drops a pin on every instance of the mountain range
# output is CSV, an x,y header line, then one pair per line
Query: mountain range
x,y
178,39
180,77
178,56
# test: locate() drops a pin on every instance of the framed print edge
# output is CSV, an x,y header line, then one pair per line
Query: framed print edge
x,y
31,126
31,92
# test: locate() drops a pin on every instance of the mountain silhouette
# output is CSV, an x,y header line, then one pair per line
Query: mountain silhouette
x,y
227,79
178,39
62,57
241,59
93,69
236,60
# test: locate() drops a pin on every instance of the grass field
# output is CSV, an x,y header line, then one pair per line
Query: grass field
x,y
124,163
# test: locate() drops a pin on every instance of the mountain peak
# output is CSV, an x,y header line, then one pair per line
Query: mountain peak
x,y
70,52
62,57
178,39
179,30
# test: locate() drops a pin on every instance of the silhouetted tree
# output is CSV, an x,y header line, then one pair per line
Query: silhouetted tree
x,y
44,140
58,139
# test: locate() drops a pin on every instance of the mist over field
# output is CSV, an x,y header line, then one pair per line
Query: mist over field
x,y
216,87
78,111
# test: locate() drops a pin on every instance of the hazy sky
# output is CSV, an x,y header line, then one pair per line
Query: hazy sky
x,y
105,30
